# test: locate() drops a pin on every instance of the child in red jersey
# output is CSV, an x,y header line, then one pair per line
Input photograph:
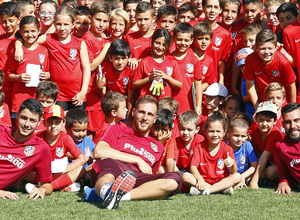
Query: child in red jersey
x,y
140,41
157,4
130,7
158,75
230,13
114,107
220,46
82,21
213,167
60,143
4,111
271,66
118,24
232,105
162,131
270,9
187,13
46,15
34,54
187,141
9,19
166,17
263,139
26,8
68,61
189,68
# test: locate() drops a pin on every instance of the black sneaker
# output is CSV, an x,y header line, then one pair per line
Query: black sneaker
x,y
122,185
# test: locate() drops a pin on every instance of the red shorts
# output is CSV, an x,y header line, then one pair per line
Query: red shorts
x,y
116,167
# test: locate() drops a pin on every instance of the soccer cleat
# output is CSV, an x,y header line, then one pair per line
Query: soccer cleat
x,y
89,195
228,191
74,187
29,187
196,192
122,185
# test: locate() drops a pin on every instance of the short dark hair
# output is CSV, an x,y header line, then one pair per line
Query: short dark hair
x,y
48,89
185,7
290,107
76,115
99,6
22,4
234,2
267,114
82,10
110,101
183,27
10,9
164,119
143,7
126,2
203,28
166,10
2,76
2,97
287,6
220,1
72,4
119,47
266,35
33,106
255,2
216,116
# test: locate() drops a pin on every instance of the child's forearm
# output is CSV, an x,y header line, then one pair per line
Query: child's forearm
x,y
198,88
252,93
141,83
197,175
233,168
170,164
204,86
175,84
221,71
248,173
80,161
260,168
99,59
292,92
85,68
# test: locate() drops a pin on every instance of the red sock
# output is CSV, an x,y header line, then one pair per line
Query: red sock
x,y
61,182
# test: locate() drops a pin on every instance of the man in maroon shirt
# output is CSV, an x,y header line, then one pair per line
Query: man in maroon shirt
x,y
21,152
287,152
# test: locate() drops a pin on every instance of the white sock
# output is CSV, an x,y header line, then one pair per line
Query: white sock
x,y
103,191
206,191
126,197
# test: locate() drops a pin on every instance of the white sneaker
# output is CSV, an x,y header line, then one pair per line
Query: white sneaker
x,y
196,192
228,191
74,187
29,187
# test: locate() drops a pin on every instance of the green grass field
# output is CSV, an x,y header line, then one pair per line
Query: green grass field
x,y
245,203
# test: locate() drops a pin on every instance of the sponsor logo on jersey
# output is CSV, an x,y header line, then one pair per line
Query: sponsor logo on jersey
x,y
140,151
154,147
256,73
218,41
233,35
29,150
190,67
59,151
16,161
242,159
87,152
296,41
73,53
275,73
137,47
294,161
125,80
220,164
204,71
42,58
169,70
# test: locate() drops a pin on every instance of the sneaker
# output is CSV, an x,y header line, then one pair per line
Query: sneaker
x,y
196,192
74,187
29,187
122,185
228,191
89,195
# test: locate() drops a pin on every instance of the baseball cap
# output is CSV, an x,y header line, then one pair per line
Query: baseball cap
x,y
266,107
53,111
241,55
216,89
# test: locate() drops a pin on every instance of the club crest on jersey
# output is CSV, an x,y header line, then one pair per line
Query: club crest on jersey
x,y
154,147
220,164
125,80
169,70
242,159
275,73
191,152
189,67
233,35
218,41
73,53
87,152
42,58
59,151
29,150
205,68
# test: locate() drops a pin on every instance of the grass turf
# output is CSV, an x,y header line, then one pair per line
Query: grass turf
x,y
245,203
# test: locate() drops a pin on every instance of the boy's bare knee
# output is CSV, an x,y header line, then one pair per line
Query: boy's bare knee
x,y
236,177
169,185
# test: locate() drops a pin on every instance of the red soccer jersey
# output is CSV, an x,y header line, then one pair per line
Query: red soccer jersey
x,y
168,66
102,130
169,151
279,70
5,119
38,56
183,156
220,47
63,145
268,143
127,140
65,66
140,46
190,70
287,159
20,158
207,70
212,168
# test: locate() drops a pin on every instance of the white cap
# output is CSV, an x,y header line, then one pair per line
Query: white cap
x,y
216,89
266,107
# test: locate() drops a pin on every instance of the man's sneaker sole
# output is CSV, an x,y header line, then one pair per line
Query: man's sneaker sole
x,y
122,185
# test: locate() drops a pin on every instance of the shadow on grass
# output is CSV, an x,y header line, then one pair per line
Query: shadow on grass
x,y
97,204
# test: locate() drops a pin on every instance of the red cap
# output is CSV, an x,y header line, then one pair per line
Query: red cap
x,y
53,111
